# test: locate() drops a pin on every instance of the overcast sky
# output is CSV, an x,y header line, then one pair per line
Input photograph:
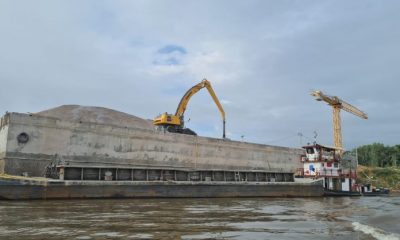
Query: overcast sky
x,y
262,57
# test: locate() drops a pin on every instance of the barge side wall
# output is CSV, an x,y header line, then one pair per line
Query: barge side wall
x,y
93,144
3,140
82,189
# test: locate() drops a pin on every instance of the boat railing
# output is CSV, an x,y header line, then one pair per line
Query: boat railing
x,y
323,158
325,172
309,159
327,157
347,173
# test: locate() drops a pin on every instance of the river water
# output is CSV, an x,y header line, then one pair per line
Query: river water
x,y
235,218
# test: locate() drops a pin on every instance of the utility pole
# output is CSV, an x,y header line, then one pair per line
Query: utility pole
x,y
356,157
350,182
301,138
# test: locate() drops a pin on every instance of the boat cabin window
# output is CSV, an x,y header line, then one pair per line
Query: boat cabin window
x,y
335,165
310,150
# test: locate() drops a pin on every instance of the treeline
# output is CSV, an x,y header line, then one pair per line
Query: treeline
x,y
378,155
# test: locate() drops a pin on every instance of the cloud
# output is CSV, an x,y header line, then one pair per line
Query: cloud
x,y
168,49
225,102
170,55
265,57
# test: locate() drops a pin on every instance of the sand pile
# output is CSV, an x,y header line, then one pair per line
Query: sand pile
x,y
76,113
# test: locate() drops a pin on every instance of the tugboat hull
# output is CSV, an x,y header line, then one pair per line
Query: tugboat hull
x,y
383,192
334,193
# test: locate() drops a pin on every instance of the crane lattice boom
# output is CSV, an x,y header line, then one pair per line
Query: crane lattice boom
x,y
338,104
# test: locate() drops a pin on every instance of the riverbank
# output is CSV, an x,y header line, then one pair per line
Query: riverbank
x,y
380,177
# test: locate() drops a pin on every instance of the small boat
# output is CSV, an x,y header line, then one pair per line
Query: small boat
x,y
369,191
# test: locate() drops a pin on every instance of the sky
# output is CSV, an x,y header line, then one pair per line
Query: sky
x,y
263,58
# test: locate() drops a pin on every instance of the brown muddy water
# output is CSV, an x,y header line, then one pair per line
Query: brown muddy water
x,y
243,218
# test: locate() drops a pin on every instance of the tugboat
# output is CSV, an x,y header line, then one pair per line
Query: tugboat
x,y
326,163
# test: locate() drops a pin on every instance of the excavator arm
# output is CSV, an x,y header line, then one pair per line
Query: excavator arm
x,y
221,110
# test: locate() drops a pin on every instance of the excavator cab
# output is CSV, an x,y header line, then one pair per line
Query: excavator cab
x,y
171,123
167,119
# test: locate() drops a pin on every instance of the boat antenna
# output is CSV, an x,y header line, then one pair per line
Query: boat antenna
x,y
315,137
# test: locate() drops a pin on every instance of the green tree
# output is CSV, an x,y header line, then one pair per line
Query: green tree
x,y
378,155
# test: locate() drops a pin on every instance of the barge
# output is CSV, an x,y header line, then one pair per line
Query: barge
x,y
91,152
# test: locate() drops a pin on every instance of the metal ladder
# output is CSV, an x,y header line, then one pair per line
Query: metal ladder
x,y
237,177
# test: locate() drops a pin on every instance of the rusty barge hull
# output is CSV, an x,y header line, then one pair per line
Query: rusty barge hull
x,y
24,190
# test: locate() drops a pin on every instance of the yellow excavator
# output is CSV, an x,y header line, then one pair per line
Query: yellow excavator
x,y
175,122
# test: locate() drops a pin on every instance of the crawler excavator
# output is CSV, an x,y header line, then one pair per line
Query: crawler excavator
x,y
175,122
